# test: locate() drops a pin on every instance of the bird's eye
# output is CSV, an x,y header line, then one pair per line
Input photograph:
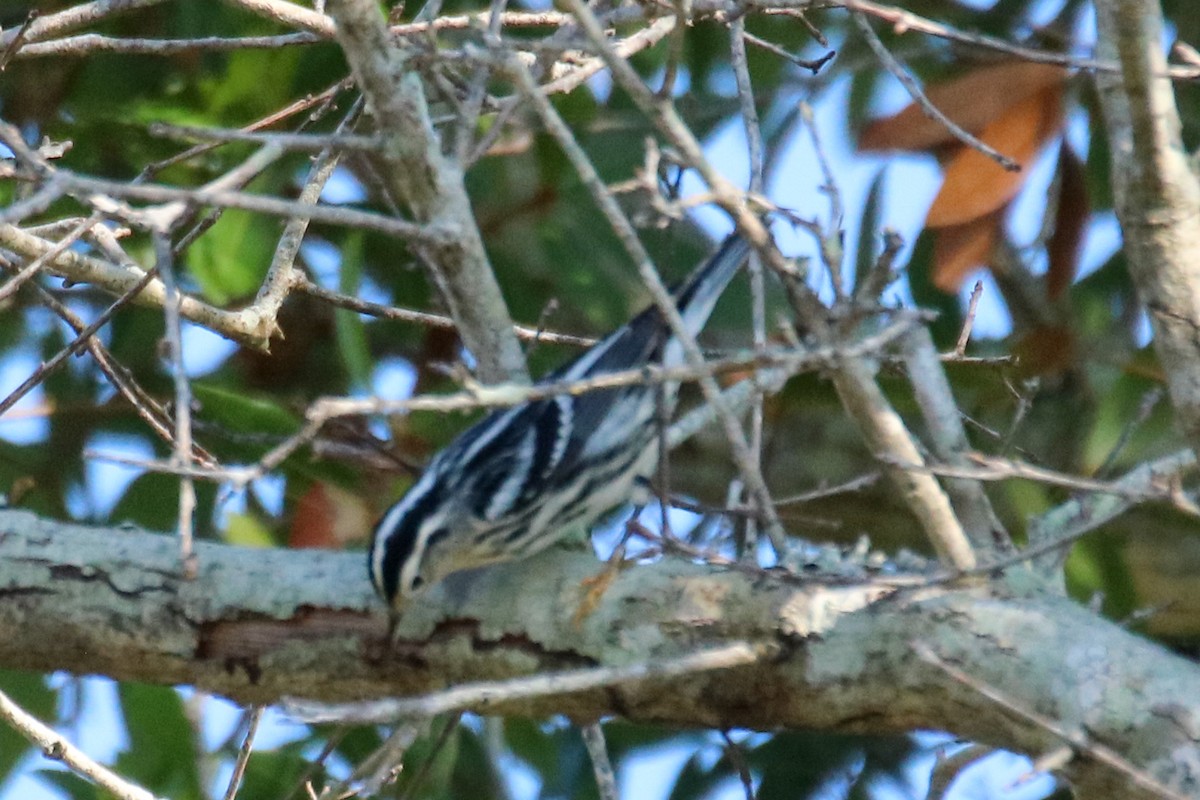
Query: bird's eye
x,y
417,582
436,536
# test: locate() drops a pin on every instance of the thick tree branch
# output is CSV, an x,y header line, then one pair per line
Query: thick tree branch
x,y
256,625
1157,195
430,185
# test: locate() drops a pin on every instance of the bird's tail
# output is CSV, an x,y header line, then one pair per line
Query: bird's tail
x,y
698,294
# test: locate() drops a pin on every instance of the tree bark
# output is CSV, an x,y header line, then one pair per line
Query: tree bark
x,y
1157,196
259,625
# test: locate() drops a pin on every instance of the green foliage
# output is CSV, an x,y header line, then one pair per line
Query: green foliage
x,y
162,753
229,261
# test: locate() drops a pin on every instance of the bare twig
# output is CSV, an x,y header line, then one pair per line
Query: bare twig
x,y
893,65
949,441
182,454
31,268
904,21
738,758
243,756
523,332
88,43
1058,527
754,147
964,336
813,65
76,345
602,768
490,693
887,437
771,368
290,14
57,748
73,18
282,276
338,140
14,44
143,404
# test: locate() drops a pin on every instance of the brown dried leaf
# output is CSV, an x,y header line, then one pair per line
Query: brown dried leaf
x,y
974,185
973,101
959,249
1070,222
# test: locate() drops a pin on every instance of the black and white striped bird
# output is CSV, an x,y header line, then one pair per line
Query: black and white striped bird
x,y
522,478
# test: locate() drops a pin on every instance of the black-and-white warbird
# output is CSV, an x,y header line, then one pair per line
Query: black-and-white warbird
x,y
522,478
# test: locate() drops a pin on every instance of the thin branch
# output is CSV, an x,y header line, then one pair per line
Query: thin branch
x,y
88,43
290,14
182,455
813,65
75,346
893,65
602,768
282,276
143,404
964,335
14,44
73,18
485,693
904,21
979,466
949,441
243,756
338,140
887,437
755,152
31,268
57,748
1064,524
523,332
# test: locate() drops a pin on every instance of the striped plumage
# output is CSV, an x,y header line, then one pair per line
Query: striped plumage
x,y
519,479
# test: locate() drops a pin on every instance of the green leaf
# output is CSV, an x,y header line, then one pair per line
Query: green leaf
x,y
70,784
694,780
868,233
348,325
247,531
244,412
949,320
230,260
150,502
162,753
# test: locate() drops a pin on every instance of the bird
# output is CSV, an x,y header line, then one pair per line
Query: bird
x,y
523,478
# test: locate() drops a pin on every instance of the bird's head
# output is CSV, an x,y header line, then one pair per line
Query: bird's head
x,y
413,546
